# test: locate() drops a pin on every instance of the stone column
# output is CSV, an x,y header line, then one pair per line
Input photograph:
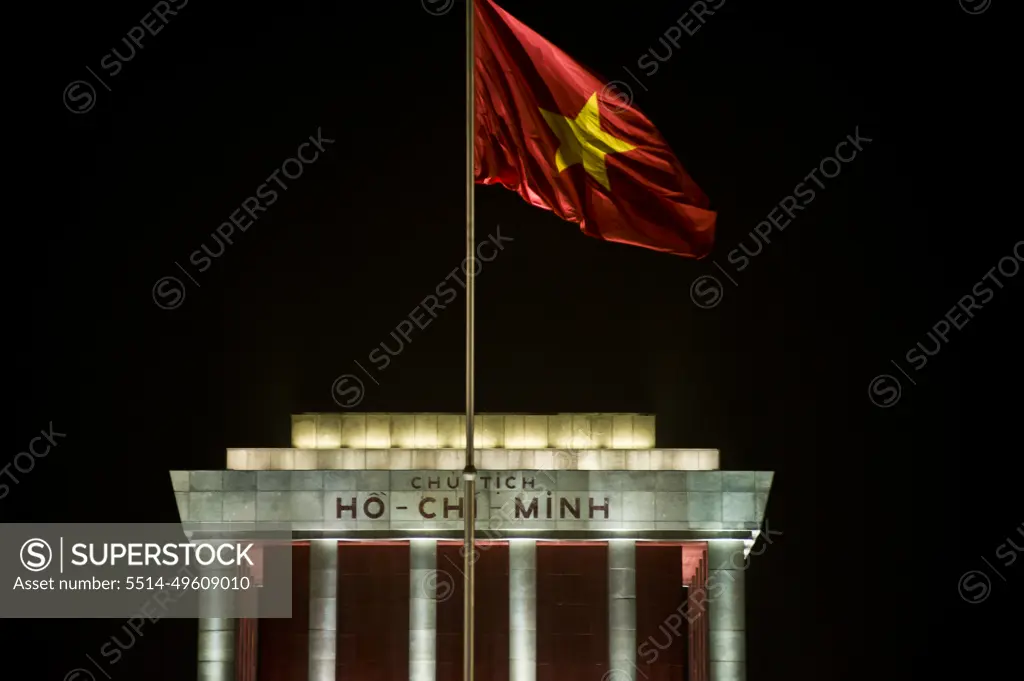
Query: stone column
x,y
323,609
522,609
423,582
216,651
727,649
622,610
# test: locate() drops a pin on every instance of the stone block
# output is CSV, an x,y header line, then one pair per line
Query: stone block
x,y
289,506
353,431
451,431
738,507
687,460
638,506
638,460
704,481
259,459
181,499
424,459
380,459
727,646
535,432
701,506
403,431
306,460
205,506
671,481
397,459
373,480
621,583
515,431
738,481
490,431
493,459
282,459
451,459
622,431
274,480
328,431
331,459
306,480
581,431
613,460
670,506
709,460
340,480
560,431
643,431
426,431
180,481
601,431
323,623
238,459
239,506
378,431
206,481
760,504
304,431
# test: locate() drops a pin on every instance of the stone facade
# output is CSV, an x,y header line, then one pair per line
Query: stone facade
x,y
509,502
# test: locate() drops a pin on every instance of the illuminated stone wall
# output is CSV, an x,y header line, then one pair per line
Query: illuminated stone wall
x,y
265,459
446,431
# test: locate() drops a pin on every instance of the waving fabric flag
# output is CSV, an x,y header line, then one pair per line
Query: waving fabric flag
x,y
552,131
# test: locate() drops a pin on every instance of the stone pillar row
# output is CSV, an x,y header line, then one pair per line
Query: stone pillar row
x,y
726,617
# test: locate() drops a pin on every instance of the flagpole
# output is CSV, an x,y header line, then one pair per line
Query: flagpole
x,y
469,474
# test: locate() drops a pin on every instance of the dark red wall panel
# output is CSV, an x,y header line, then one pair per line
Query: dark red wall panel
x,y
661,626
246,650
491,645
373,612
284,643
572,611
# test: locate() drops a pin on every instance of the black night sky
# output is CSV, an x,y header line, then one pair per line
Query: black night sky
x,y
882,509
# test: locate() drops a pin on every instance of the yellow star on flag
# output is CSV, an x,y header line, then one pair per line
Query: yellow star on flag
x,y
583,141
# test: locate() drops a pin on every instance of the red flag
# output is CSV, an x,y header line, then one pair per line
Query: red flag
x,y
550,130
